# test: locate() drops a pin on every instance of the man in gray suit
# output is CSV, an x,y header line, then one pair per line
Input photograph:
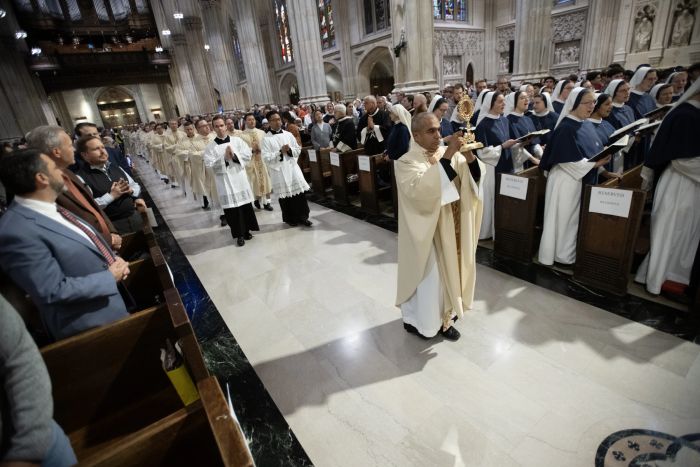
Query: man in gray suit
x,y
66,267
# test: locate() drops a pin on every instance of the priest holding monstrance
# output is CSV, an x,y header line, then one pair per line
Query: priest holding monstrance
x,y
440,209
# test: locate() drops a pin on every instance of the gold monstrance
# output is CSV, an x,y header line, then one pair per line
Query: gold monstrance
x,y
465,107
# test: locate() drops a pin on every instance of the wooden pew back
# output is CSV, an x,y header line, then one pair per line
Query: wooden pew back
x,y
320,170
346,166
369,188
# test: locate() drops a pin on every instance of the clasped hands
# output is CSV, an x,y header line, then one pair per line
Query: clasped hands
x,y
120,188
119,269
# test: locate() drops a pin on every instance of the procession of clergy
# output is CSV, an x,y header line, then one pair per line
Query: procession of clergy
x,y
446,190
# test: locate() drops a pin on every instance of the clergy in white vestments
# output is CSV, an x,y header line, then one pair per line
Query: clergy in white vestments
x,y
257,170
440,206
172,164
226,156
280,151
573,141
675,217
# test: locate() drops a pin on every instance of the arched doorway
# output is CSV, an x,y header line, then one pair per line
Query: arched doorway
x,y
289,89
117,108
334,81
376,72
470,73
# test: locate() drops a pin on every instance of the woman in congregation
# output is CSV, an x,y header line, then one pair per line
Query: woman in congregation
x,y
321,132
543,115
477,107
573,141
678,79
399,140
641,83
439,107
621,113
675,217
528,153
662,94
493,131
602,108
561,93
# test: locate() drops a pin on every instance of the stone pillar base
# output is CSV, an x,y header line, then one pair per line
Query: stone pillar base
x,y
314,100
412,87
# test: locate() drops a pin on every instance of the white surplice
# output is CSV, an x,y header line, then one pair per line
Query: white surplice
x,y
231,180
489,156
675,226
286,175
561,212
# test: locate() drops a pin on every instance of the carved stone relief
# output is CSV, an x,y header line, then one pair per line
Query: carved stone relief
x,y
458,42
503,37
451,66
567,52
569,26
683,20
643,27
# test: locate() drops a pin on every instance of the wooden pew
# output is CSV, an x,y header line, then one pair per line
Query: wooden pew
x,y
370,191
606,242
118,407
320,165
343,166
518,222
133,245
631,179
303,162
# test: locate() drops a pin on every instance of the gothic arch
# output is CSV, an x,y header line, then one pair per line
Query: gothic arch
x,y
334,80
92,94
376,68
288,83
470,73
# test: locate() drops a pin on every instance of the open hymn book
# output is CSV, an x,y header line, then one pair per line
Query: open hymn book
x,y
533,135
611,149
627,128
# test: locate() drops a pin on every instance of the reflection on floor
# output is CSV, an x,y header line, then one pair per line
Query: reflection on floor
x,y
537,379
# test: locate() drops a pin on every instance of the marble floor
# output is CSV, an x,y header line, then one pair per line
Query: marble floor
x,y
537,379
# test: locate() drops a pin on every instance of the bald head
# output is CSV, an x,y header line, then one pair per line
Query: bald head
x,y
420,103
420,121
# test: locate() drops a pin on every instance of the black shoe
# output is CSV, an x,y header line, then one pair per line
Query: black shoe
x,y
256,203
452,334
165,180
205,207
222,218
292,224
307,223
248,236
240,241
412,330
173,186
267,207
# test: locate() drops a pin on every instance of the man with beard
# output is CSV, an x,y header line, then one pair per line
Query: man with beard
x,y
65,266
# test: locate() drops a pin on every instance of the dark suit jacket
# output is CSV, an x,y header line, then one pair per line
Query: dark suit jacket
x,y
68,201
64,273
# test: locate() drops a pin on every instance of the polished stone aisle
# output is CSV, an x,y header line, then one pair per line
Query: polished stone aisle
x,y
537,379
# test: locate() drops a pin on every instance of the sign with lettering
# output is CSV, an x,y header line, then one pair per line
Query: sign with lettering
x,y
363,163
514,186
611,201
312,155
335,159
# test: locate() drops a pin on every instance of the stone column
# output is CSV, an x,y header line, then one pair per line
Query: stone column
x,y
599,43
343,39
24,101
220,54
533,38
658,37
199,68
166,99
308,58
186,83
251,41
623,37
414,69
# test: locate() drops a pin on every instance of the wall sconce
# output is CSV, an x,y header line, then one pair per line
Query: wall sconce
x,y
401,45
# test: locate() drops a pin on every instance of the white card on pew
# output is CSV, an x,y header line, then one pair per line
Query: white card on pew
x,y
335,159
514,186
363,163
312,155
611,201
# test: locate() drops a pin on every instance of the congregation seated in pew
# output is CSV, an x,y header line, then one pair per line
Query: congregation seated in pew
x,y
68,269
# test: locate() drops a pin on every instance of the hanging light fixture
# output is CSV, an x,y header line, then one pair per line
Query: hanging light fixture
x,y
36,51
159,49
21,34
178,15
206,46
3,13
166,32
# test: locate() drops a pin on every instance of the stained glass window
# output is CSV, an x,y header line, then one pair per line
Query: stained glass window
x,y
120,9
51,8
283,34
450,10
237,54
325,24
142,7
377,15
